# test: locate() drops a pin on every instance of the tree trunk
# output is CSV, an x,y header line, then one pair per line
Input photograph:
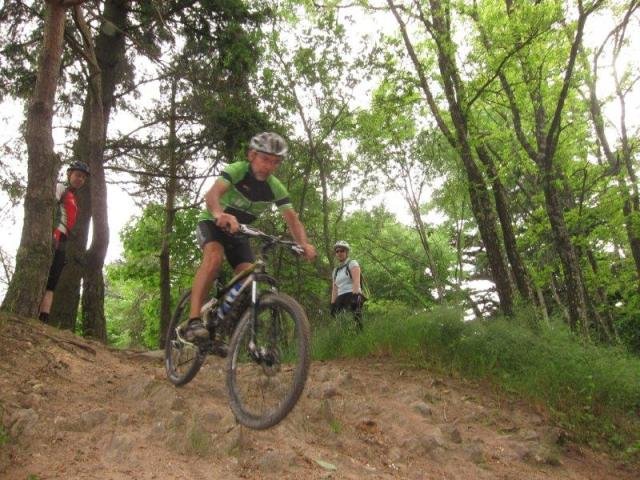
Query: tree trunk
x,y
518,268
558,300
169,219
64,310
453,87
93,319
608,322
110,48
421,230
547,133
632,225
34,254
93,323
486,220
619,161
576,298
543,305
328,248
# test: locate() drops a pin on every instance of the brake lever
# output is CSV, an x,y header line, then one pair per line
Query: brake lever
x,y
247,230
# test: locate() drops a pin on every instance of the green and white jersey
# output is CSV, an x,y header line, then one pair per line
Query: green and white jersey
x,y
248,197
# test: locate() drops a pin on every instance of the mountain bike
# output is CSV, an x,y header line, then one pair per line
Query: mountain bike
x,y
263,333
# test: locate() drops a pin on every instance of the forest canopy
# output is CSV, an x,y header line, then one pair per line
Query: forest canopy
x,y
509,129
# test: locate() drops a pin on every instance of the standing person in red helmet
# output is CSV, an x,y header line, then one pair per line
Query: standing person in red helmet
x,y
66,214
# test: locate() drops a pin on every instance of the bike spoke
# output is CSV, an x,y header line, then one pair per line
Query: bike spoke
x,y
182,359
266,379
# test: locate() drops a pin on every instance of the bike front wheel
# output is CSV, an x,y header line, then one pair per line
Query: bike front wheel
x,y
268,361
182,359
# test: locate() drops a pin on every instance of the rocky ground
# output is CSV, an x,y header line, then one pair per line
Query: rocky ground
x,y
73,409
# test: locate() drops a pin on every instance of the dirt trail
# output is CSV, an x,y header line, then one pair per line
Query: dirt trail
x,y
74,409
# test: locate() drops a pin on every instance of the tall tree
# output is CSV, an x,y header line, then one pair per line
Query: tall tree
x,y
454,124
541,144
404,158
93,320
110,48
312,83
203,116
618,152
34,254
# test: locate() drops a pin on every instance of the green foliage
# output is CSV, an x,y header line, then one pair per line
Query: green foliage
x,y
591,390
198,441
19,47
4,436
132,300
132,312
391,257
335,425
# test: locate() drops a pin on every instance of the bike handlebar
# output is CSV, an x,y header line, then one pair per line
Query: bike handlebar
x,y
269,239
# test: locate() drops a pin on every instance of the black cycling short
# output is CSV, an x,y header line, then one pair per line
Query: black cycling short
x,y
236,248
349,302
56,268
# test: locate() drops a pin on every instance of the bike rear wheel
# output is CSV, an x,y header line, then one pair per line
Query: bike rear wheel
x,y
182,359
266,381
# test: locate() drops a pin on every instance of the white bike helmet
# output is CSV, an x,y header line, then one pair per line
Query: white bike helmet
x,y
269,142
342,244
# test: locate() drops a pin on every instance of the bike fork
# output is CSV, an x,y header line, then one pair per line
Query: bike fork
x,y
253,350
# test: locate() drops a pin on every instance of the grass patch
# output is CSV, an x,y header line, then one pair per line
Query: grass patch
x,y
592,391
199,442
4,436
336,426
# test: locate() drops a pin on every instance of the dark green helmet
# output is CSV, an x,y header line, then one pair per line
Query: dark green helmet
x,y
80,166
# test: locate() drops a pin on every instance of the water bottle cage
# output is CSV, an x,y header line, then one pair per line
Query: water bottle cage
x,y
232,312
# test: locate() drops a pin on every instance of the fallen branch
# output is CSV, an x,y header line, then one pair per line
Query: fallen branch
x,y
77,344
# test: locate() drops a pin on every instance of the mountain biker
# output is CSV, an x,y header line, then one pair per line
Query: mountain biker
x,y
346,293
66,214
240,194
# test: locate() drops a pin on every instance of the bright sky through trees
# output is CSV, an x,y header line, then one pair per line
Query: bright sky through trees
x,y
122,208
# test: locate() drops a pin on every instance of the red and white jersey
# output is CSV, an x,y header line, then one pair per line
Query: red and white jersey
x,y
67,209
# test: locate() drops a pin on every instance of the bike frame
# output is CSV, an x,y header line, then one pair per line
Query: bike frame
x,y
252,275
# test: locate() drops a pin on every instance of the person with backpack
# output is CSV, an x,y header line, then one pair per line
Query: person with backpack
x,y
346,292
66,214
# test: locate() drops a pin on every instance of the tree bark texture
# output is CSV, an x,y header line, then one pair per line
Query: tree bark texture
x,y
523,281
481,206
93,319
34,253
483,212
546,132
575,293
619,161
110,52
169,220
